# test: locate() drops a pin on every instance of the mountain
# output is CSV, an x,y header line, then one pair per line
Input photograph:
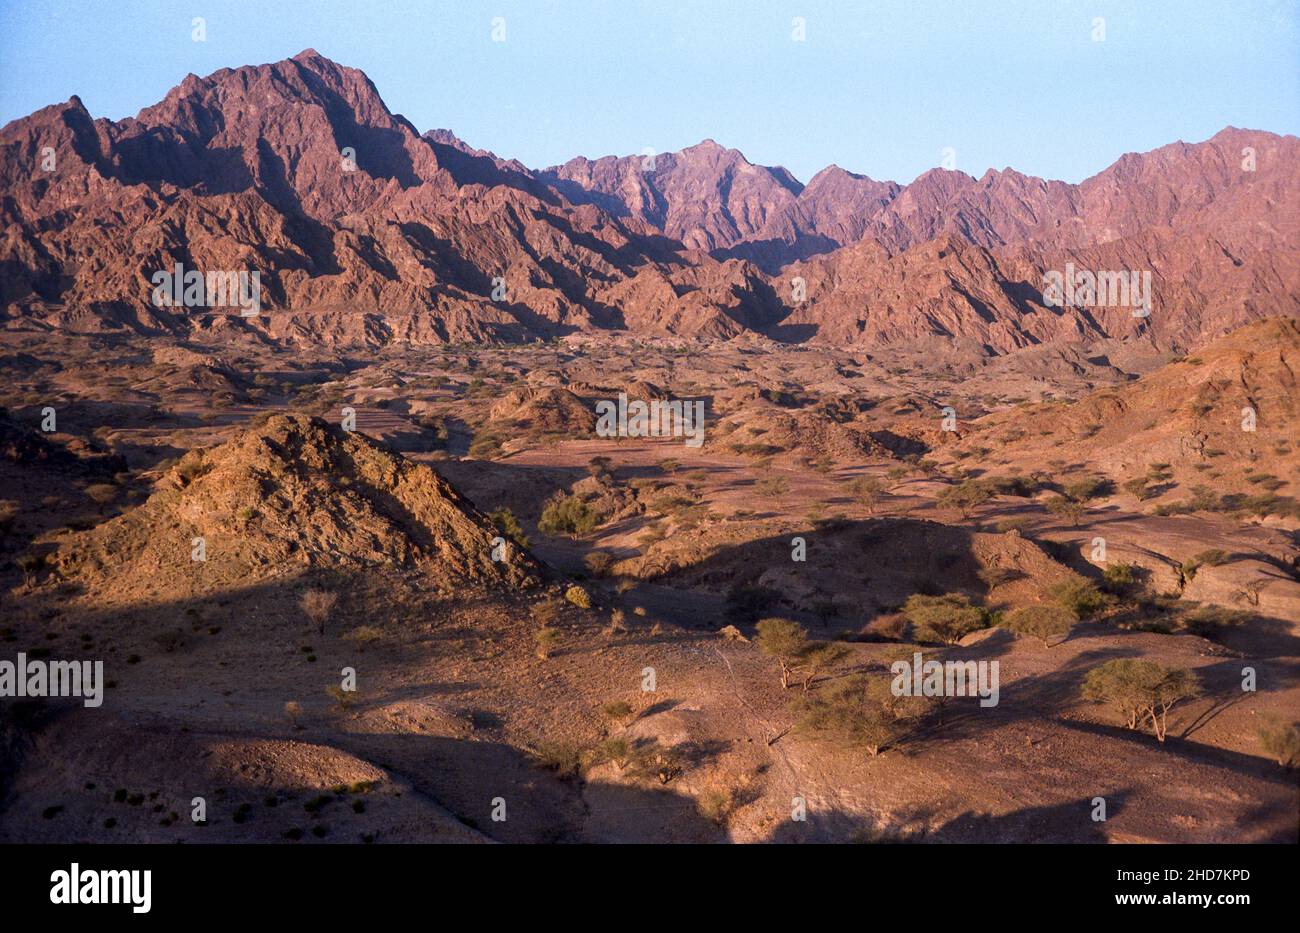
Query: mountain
x,y
364,232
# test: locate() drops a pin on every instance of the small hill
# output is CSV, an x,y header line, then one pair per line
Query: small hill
x,y
291,493
552,410
1186,413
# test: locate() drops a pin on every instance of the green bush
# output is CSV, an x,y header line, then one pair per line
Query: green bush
x,y
568,515
1143,691
943,618
508,525
784,640
965,496
578,596
1043,622
860,712
1071,509
1080,597
1211,558
598,562
1281,740
1118,577
868,490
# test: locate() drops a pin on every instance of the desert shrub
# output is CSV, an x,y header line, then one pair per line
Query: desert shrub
x,y
868,490
578,596
568,515
1044,622
1210,621
860,712
1084,490
1211,558
1138,487
996,576
563,759
1080,597
486,445
1263,505
1204,499
784,640
617,710
772,487
966,496
547,611
716,803
598,562
1281,740
364,634
1118,577
1014,485
1143,691
317,604
546,639
943,618
884,628
508,525
1070,509
817,659
344,698
663,505
191,466
617,622
617,750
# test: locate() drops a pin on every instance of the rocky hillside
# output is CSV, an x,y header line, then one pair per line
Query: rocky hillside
x,y
293,494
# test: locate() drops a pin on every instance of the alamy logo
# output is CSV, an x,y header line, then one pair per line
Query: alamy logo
x,y
1083,288
177,288
75,886
918,678
34,678
658,418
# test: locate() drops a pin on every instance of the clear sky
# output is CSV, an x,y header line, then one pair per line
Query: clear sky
x,y
879,87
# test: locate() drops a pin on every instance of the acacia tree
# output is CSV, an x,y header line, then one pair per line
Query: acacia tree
x,y
317,605
1067,508
943,618
862,712
1042,622
966,496
567,515
868,490
817,659
784,640
1143,691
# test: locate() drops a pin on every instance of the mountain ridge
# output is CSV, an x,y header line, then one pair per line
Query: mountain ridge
x,y
369,232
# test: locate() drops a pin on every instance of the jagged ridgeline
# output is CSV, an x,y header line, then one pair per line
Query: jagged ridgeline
x,y
360,231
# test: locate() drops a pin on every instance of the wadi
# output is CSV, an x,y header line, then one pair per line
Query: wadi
x,y
628,501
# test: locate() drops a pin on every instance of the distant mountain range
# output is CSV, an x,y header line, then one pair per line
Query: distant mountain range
x,y
366,232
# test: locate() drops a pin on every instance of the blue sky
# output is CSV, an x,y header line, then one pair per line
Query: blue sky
x,y
879,87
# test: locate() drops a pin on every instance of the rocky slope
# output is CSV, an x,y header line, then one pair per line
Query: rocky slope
x,y
293,494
